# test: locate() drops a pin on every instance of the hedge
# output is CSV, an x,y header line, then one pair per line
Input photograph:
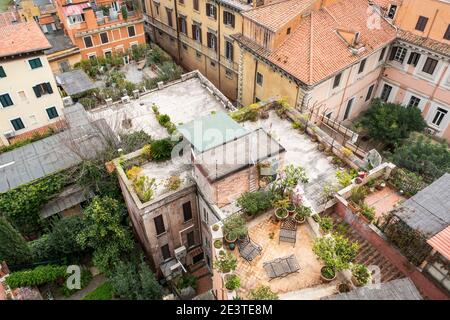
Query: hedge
x,y
36,277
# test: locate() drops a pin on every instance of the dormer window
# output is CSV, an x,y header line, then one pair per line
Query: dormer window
x,y
392,11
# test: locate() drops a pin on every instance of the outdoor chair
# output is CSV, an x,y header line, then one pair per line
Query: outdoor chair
x,y
288,231
281,267
248,249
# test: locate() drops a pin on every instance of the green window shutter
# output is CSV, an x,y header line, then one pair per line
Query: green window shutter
x,y
37,91
2,72
49,88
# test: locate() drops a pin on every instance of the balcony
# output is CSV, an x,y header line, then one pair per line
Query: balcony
x,y
161,26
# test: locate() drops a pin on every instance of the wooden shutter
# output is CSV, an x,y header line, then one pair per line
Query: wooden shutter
x,y
208,39
207,9
393,52
232,20
215,12
37,91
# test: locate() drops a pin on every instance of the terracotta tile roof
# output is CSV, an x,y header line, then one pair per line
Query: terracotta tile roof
x,y
433,45
275,14
315,51
8,17
21,38
441,242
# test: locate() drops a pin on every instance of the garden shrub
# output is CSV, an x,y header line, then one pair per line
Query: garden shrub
x,y
37,276
35,137
233,282
247,113
263,293
133,173
63,237
163,119
253,203
186,281
408,182
235,226
161,149
144,188
337,252
326,224
134,141
88,102
147,152
358,194
13,248
361,274
173,183
41,249
344,178
368,211
225,263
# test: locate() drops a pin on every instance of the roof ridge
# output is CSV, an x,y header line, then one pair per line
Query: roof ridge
x,y
268,5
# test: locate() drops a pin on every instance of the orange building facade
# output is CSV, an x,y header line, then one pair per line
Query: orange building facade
x,y
102,28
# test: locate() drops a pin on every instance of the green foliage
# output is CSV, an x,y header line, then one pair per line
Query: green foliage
x,y
144,188
139,52
233,282
147,152
161,149
358,194
37,276
302,211
409,182
21,205
93,176
225,263
135,282
41,250
134,141
186,281
173,183
235,226
124,12
104,232
253,203
424,157
344,178
86,277
336,251
391,122
247,113
88,102
328,191
169,71
368,211
63,237
361,274
163,119
36,137
13,248
326,224
290,176
263,293
105,291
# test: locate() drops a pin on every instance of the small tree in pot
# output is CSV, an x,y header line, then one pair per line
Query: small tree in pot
x,y
301,213
361,275
225,262
234,227
232,282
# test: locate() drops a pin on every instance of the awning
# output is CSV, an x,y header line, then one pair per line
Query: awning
x,y
75,9
441,242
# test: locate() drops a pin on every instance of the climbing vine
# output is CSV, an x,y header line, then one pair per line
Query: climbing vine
x,y
21,206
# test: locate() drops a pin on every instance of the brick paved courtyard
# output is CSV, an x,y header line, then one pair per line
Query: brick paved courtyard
x,y
266,233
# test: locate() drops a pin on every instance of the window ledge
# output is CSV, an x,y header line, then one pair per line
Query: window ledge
x,y
161,234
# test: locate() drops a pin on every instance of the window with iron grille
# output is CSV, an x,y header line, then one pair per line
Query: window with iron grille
x,y
430,66
398,54
421,23
413,102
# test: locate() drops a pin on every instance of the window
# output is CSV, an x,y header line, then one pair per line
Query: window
x,y
386,92
195,4
447,33
197,33
35,63
413,102
144,8
430,66
169,17
187,211
229,50
5,100
211,11
197,258
78,18
159,225
259,78
392,11
369,92
88,42
2,72
228,74
288,31
42,88
440,272
337,80
190,239
182,24
165,251
131,31
108,54
439,116
52,113
362,66
104,37
212,41
348,108
92,56
17,124
156,7
381,57
213,64
329,114
421,23
398,54
414,58
228,19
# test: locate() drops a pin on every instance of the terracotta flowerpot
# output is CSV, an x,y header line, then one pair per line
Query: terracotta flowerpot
x,y
325,279
300,220
281,214
229,240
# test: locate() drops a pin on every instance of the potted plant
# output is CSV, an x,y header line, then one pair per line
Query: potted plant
x,y
380,184
327,273
290,208
281,212
343,287
301,213
232,282
234,227
218,244
225,263
360,275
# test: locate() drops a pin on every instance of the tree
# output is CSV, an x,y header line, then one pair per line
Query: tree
x,y
13,248
392,122
63,238
429,159
135,282
104,232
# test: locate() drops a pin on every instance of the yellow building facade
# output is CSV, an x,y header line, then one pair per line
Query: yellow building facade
x,y
198,34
